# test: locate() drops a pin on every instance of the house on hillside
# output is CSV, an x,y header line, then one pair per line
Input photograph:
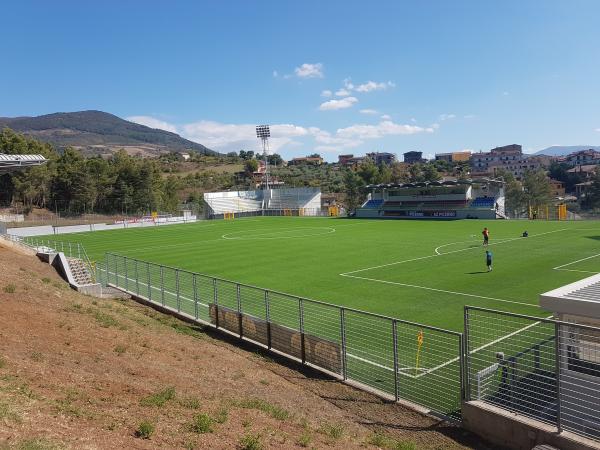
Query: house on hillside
x,y
314,160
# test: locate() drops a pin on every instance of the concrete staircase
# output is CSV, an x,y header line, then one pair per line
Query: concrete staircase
x,y
80,272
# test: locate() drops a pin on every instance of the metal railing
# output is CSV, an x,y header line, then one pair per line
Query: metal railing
x,y
545,369
70,250
397,358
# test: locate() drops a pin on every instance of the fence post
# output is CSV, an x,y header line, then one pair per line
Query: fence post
x,y
149,281
557,366
395,342
162,285
78,251
343,333
116,271
216,302
302,340
466,356
461,362
137,278
177,290
195,287
70,251
268,319
239,309
106,267
126,276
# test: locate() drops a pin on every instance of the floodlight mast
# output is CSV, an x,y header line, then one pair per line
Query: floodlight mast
x,y
263,132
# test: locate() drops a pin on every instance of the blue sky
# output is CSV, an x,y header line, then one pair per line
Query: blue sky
x,y
330,76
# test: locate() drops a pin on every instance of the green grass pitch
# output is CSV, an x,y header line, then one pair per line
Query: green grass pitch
x,y
422,271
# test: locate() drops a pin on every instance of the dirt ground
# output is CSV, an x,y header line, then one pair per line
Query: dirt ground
x,y
83,373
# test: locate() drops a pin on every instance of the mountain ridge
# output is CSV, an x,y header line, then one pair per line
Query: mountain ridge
x,y
562,150
98,132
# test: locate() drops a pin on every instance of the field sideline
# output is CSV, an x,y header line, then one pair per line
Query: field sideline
x,y
422,271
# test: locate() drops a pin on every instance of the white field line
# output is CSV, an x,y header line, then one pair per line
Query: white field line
x,y
448,253
450,361
575,262
438,290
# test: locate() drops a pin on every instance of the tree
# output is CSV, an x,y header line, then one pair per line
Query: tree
x,y
368,172
250,166
559,171
275,159
515,200
592,195
537,189
353,187
399,172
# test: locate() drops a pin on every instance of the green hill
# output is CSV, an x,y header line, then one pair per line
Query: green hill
x,y
97,132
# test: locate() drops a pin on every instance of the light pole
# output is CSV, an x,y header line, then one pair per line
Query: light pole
x,y
264,133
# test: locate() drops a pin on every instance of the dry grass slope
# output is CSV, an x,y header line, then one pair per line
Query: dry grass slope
x,y
76,372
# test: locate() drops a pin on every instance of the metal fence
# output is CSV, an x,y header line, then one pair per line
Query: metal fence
x,y
541,368
396,358
70,249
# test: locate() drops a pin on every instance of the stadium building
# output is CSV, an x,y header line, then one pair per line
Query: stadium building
x,y
267,202
463,199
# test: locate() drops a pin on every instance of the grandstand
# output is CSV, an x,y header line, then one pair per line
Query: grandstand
x,y
300,201
15,162
463,199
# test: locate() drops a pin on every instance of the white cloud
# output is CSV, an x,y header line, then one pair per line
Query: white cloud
x,y
153,123
470,116
447,116
369,111
326,93
505,93
597,129
333,105
309,70
342,92
385,128
225,137
373,86
386,117
348,84
413,120
275,74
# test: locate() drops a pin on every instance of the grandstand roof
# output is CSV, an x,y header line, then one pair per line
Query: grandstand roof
x,y
581,298
435,183
15,162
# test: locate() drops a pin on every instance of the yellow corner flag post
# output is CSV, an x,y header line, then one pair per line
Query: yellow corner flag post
x,y
419,344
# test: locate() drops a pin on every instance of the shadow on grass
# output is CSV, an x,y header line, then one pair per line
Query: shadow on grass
x,y
475,273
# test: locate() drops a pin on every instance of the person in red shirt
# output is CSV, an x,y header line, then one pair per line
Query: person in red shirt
x,y
486,236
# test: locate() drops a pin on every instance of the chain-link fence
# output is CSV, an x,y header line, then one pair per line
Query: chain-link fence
x,y
396,358
542,368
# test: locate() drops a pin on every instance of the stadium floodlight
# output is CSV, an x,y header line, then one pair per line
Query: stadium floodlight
x,y
263,132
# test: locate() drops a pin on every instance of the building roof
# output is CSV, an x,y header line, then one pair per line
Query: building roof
x,y
14,162
435,183
583,168
581,298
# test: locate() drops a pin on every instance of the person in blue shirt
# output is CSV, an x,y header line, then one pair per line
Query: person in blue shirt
x,y
488,260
